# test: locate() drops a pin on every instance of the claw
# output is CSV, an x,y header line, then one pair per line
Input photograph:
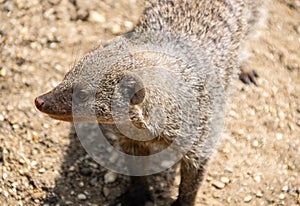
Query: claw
x,y
248,77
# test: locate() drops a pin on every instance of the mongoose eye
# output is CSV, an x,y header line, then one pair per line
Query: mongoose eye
x,y
81,96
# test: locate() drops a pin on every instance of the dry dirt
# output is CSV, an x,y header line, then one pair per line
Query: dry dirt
x,y
42,161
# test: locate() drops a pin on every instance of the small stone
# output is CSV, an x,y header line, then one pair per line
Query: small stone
x,y
5,193
248,198
281,196
259,194
86,171
116,29
285,188
279,136
110,177
93,165
4,176
42,170
52,45
128,24
106,191
216,195
82,197
257,178
209,178
83,14
298,29
225,180
114,157
72,169
281,115
1,118
96,17
255,143
33,163
2,72
9,5
81,184
218,184
54,1
228,170
14,184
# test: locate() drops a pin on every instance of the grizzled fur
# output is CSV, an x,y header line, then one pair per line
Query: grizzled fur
x,y
181,58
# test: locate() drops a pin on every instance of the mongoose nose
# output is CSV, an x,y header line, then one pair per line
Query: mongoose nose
x,y
39,102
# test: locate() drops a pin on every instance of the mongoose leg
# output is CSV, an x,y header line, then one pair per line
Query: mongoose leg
x,y
191,179
138,192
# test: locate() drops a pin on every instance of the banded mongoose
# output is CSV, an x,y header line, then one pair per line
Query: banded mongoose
x,y
172,72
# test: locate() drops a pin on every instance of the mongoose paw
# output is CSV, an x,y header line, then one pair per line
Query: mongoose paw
x,y
248,77
136,198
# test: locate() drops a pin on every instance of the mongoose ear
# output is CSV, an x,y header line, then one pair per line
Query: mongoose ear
x,y
133,88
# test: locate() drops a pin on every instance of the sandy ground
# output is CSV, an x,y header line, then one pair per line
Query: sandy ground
x,y
42,161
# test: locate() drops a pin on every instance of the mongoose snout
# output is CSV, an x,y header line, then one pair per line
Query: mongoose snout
x,y
39,102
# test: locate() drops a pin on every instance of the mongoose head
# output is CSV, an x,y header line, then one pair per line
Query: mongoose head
x,y
87,91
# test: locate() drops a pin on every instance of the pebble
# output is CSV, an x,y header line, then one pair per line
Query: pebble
x,y
298,29
248,198
81,184
14,184
96,17
5,193
225,180
110,177
4,176
82,197
72,169
279,136
33,163
9,5
2,72
218,184
42,170
128,24
285,188
86,171
106,191
255,143
257,178
281,196
116,29
259,194
216,195
209,178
